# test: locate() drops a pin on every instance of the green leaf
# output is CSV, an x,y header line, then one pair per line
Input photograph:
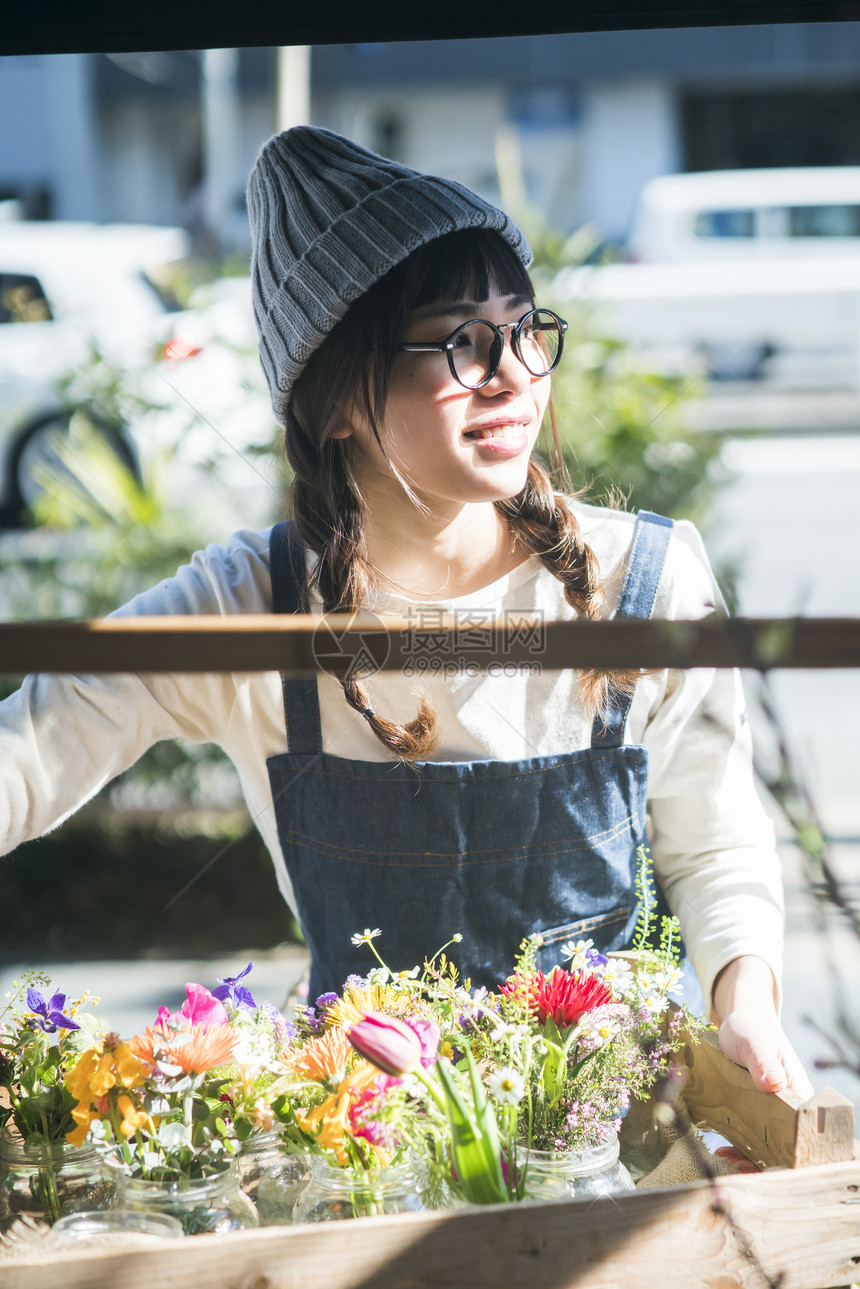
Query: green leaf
x,y
475,1139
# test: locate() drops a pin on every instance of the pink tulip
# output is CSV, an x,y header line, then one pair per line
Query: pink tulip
x,y
392,1045
428,1035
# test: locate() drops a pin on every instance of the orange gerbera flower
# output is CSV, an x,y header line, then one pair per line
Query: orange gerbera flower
x,y
321,1058
195,1049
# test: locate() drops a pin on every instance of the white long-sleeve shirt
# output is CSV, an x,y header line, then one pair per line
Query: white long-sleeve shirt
x,y
63,737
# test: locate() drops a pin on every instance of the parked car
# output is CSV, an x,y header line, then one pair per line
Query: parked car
x,y
68,291
747,274
718,215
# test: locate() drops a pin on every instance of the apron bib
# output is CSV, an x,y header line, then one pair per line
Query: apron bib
x,y
495,850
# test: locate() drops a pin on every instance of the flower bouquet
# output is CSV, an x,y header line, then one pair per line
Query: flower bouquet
x,y
41,1175
172,1105
356,1120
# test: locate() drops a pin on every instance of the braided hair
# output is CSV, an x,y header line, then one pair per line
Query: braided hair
x,y
352,369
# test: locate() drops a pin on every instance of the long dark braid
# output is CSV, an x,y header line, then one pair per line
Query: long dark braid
x,y
542,523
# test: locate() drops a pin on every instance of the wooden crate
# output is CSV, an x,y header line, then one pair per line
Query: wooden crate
x,y
796,1225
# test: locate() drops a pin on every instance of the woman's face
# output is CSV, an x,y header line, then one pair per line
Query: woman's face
x,y
450,443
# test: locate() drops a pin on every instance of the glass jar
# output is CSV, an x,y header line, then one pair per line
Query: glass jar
x,y
46,1181
597,1170
271,1177
122,1226
334,1194
210,1205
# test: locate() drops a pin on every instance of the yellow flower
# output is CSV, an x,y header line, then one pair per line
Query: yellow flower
x,y
132,1118
327,1122
91,1076
83,1118
101,1068
355,1002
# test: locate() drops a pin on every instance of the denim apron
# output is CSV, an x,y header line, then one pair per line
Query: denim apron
x,y
495,850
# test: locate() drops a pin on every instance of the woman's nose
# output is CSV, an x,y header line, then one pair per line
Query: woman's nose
x,y
512,374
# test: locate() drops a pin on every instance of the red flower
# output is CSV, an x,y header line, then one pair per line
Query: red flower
x,y
562,995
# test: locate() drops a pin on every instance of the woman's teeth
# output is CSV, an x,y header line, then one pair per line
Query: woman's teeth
x,y
496,432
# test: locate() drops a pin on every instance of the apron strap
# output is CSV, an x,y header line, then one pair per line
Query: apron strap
x,y
301,697
638,593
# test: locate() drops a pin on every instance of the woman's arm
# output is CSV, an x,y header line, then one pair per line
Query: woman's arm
x,y
63,737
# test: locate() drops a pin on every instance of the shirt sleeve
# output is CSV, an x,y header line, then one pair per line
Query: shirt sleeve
x,y
712,841
63,737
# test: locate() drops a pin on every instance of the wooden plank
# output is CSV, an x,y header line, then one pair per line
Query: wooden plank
x,y
303,644
802,1225
776,1129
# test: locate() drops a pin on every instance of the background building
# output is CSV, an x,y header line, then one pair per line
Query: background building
x,y
584,120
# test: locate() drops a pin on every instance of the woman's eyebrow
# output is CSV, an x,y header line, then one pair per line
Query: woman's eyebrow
x,y
463,308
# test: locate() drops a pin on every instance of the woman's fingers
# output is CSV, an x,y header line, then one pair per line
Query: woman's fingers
x,y
741,1162
756,1041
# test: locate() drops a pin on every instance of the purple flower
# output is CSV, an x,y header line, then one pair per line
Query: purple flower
x,y
308,1015
326,1000
595,959
283,1031
49,1015
230,988
356,982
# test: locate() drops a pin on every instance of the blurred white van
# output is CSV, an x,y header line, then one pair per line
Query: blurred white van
x,y
748,214
747,274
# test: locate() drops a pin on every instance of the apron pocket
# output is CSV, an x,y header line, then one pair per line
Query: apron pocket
x,y
607,930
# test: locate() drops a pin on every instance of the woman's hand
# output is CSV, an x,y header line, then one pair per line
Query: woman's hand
x,y
749,1030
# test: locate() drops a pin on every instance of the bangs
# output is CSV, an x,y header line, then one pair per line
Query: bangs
x,y
464,265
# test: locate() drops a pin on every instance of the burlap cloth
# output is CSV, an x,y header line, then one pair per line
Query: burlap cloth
x,y
664,1132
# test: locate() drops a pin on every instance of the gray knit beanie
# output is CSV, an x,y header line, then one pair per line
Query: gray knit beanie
x,y
328,219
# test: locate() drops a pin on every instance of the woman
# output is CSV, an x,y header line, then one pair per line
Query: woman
x,y
411,370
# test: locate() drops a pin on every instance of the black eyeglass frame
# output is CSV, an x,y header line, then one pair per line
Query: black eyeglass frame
x,y
497,348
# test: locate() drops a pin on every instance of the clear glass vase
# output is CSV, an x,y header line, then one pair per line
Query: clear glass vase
x,y
577,1174
211,1205
271,1177
335,1194
45,1182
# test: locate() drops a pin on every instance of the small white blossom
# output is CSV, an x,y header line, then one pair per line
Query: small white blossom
x,y
365,936
577,951
506,1085
654,1001
456,937
598,1027
618,974
668,977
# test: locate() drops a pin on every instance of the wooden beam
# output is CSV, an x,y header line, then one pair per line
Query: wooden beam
x,y
802,1225
304,644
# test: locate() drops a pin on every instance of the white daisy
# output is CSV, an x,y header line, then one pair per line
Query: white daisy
x,y
506,1085
577,951
365,936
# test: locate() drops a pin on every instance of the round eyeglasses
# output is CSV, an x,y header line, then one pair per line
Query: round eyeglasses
x,y
475,348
